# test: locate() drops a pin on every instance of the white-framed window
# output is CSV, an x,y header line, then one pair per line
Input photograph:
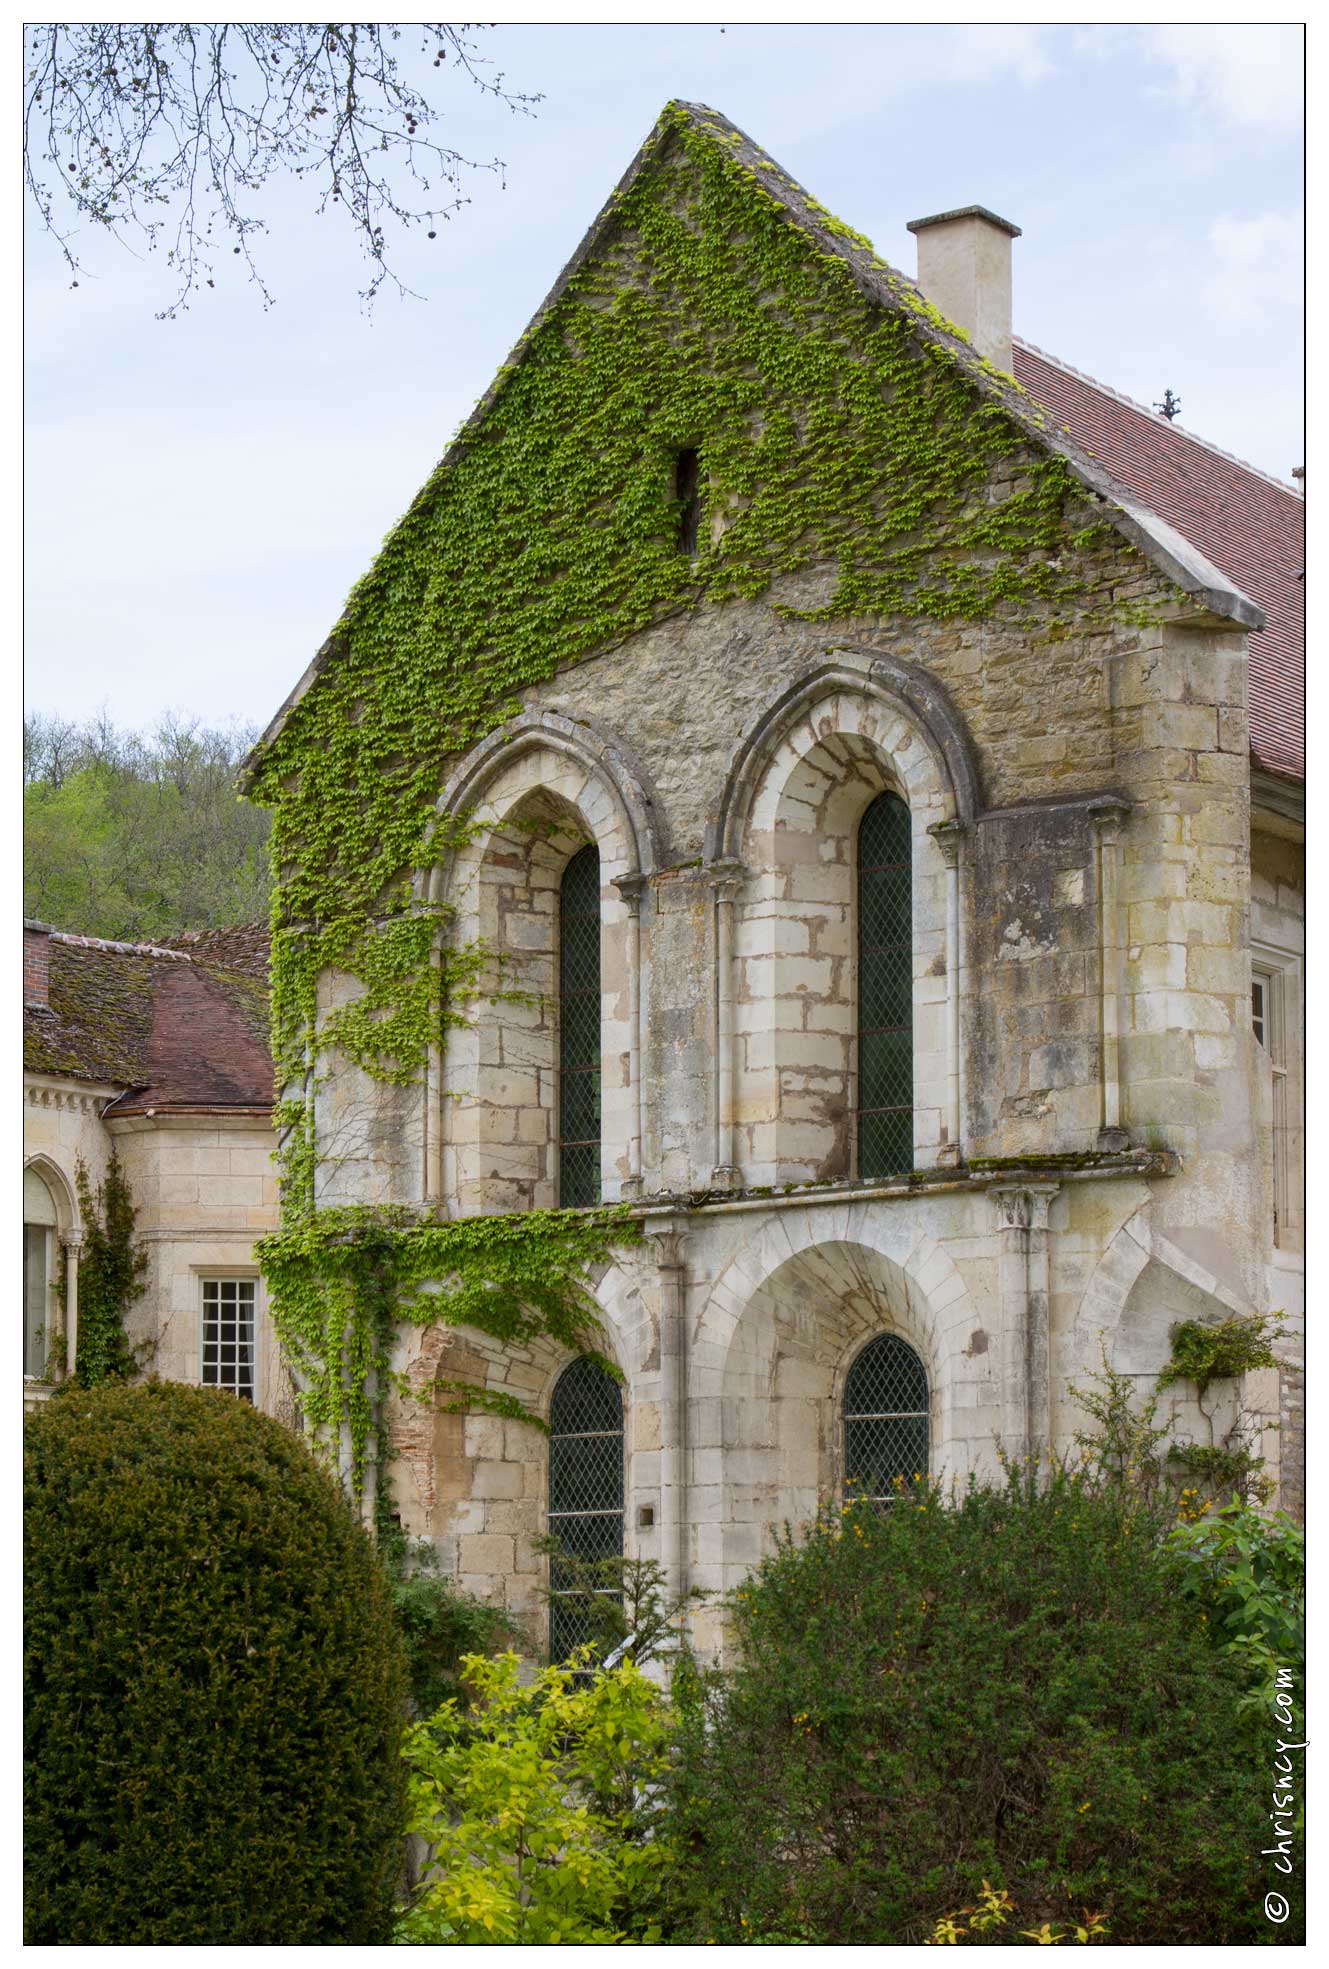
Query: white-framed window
x,y
230,1335
1269,1016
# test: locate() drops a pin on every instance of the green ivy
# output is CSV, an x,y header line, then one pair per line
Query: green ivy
x,y
834,433
112,1275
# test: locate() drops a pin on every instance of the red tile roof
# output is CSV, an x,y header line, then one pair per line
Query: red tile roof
x,y
1248,524
176,1029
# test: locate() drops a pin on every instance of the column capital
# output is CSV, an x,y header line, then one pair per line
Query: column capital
x,y
631,887
72,1240
669,1234
948,835
1023,1206
1109,813
726,877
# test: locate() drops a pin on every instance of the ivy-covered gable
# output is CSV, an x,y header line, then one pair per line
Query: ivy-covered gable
x,y
839,424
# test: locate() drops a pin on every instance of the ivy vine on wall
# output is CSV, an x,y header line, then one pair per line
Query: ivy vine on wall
x,y
832,432
112,1276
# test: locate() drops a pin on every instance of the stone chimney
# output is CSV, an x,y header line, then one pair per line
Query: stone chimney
x,y
36,966
964,268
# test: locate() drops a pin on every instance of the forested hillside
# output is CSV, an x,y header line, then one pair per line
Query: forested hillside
x,y
135,835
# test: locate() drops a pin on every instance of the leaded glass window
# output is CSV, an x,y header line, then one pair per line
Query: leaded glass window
x,y
585,1489
228,1335
885,1419
885,990
579,1032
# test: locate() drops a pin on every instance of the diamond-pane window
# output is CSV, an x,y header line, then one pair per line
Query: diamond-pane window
x,y
885,1419
579,1032
885,990
585,1489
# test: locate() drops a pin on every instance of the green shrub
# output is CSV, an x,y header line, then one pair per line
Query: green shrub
x,y
439,1624
215,1690
537,1807
1006,1687
1246,1574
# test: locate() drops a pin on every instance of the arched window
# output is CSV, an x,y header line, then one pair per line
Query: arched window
x,y
585,1489
579,1032
885,990
885,1418
39,1227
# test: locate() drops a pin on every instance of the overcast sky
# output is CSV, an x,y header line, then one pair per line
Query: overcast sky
x,y
201,493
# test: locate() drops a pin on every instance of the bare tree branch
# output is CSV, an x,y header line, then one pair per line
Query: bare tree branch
x,y
162,135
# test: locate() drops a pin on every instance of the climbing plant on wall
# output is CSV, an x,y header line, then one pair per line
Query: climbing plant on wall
x,y
112,1276
831,432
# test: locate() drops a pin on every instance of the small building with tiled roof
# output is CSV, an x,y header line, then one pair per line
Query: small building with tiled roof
x,y
158,1054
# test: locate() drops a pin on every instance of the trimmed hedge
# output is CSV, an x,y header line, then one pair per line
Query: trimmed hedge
x,y
1011,1688
215,1690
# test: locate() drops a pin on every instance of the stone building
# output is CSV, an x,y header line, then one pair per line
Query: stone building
x,y
158,1054
895,961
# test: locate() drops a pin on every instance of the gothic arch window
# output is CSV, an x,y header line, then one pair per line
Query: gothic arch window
x,y
885,1419
39,1271
579,1031
885,990
585,1489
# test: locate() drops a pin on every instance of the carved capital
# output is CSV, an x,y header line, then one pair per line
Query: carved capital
x,y
948,835
631,887
668,1235
1023,1206
1109,814
726,878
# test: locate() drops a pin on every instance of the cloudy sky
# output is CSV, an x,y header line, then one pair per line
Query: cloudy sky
x,y
201,493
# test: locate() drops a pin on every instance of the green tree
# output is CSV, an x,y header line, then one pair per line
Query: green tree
x,y
535,1807
134,836
214,1687
1007,1687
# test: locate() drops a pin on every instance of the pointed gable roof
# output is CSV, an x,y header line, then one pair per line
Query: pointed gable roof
x,y
883,286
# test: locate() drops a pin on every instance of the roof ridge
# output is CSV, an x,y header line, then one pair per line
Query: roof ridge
x,y
129,949
1147,410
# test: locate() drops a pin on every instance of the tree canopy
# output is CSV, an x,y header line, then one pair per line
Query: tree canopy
x,y
133,836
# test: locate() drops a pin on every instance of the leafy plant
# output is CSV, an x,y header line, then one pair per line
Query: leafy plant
x,y
1205,1351
991,1910
1246,1575
112,1277
625,1602
1124,1450
536,1807
1004,1685
439,1623
214,1687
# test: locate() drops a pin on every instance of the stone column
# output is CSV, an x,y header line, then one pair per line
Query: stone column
x,y
667,1235
1022,1218
72,1241
1108,816
630,887
726,879
948,835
